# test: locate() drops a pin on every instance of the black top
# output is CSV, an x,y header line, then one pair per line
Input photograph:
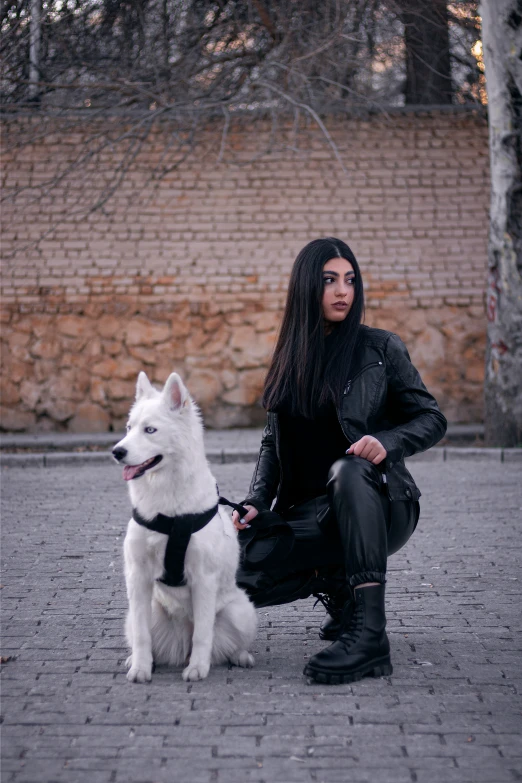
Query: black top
x,y
309,447
308,450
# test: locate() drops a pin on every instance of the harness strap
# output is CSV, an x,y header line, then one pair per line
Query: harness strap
x,y
161,523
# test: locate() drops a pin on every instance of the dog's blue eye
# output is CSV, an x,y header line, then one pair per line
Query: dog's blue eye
x,y
128,427
150,430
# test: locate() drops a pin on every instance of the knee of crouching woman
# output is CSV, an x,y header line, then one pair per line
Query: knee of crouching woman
x,y
348,471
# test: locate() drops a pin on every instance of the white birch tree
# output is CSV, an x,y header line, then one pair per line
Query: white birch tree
x,y
502,41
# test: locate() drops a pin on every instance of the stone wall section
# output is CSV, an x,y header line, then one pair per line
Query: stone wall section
x,y
190,275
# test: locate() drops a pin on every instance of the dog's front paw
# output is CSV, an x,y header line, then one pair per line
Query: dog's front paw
x,y
139,674
242,658
196,671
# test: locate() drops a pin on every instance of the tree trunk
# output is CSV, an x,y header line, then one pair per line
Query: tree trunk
x,y
502,40
428,65
34,48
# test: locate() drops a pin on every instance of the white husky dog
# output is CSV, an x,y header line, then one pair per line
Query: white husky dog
x,y
208,618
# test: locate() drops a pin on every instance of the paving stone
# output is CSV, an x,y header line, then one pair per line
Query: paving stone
x,y
450,712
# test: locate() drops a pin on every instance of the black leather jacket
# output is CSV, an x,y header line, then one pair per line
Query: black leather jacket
x,y
384,397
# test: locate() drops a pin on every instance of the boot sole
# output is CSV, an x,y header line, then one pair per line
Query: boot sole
x,y
381,668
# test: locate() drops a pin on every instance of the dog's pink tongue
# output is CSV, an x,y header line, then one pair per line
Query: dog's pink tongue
x,y
129,471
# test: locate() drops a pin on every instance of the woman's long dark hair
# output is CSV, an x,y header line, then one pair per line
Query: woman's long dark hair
x,y
301,377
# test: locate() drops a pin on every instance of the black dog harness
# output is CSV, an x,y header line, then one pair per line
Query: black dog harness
x,y
180,528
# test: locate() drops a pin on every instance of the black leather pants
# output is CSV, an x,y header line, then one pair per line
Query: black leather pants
x,y
355,525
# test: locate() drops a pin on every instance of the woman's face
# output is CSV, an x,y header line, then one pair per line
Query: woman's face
x,y
338,289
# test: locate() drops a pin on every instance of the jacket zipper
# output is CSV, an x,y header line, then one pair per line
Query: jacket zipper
x,y
346,391
367,367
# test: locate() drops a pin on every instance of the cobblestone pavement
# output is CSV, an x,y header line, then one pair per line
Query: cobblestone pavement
x,y
449,713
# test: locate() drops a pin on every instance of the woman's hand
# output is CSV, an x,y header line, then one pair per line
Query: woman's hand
x,y
243,523
368,448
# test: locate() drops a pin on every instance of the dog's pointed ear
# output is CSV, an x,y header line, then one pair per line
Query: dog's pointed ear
x,y
143,386
174,392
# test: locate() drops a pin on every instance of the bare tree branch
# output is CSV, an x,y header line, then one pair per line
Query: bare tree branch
x,y
152,61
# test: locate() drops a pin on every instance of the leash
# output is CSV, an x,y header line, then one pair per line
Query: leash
x,y
241,510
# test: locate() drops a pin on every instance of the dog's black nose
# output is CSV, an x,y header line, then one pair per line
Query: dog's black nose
x,y
118,452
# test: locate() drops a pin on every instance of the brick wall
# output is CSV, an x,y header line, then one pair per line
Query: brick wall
x,y
189,272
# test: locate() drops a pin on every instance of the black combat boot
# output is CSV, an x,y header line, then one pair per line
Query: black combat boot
x,y
362,648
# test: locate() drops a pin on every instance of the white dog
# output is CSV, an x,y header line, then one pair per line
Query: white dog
x,y
205,618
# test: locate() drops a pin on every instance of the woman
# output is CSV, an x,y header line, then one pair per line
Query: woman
x,y
345,407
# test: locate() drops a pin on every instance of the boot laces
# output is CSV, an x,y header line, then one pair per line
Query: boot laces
x,y
334,600
353,622
325,600
332,592
332,604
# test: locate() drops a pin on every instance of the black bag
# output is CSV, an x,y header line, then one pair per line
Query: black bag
x,y
268,540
